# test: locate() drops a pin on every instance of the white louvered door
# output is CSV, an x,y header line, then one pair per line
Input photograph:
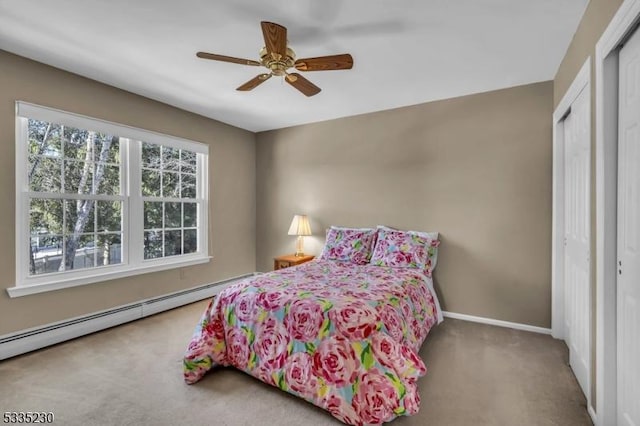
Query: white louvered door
x,y
628,284
577,142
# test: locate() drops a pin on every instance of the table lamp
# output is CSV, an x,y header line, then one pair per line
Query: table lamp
x,y
300,227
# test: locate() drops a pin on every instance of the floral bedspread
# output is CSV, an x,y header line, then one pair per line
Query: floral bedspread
x,y
344,337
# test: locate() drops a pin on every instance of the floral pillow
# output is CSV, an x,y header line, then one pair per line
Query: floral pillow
x,y
400,250
432,246
349,245
432,252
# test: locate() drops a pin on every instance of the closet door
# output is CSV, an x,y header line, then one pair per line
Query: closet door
x,y
628,284
577,142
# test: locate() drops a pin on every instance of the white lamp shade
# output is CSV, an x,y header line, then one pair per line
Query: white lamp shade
x,y
300,225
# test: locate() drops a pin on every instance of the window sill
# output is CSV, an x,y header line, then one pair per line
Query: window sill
x,y
66,282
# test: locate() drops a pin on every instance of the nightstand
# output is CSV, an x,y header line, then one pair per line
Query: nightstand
x,y
285,261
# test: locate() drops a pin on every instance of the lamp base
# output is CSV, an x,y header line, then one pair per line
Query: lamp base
x,y
299,246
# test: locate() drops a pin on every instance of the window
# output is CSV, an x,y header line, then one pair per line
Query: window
x,y
74,197
98,200
169,192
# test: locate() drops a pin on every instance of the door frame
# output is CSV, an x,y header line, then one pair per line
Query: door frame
x,y
581,82
606,108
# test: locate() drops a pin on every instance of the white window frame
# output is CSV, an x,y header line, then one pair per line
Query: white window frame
x,y
133,262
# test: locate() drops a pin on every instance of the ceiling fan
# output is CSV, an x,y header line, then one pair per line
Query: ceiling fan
x,y
278,57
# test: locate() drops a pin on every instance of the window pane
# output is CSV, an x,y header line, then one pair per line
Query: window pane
x,y
80,252
188,186
150,183
152,215
190,215
107,148
188,163
109,249
114,151
45,216
172,215
170,158
172,243
44,138
170,184
150,155
107,179
79,216
78,177
78,143
152,244
109,216
44,174
46,254
190,241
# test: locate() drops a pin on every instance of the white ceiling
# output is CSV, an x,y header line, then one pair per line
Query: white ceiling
x,y
405,52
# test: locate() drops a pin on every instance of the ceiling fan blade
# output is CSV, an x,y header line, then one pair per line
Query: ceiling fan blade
x,y
275,38
325,63
205,55
302,84
254,82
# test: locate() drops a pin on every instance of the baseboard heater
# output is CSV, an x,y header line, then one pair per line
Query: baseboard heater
x,y
40,337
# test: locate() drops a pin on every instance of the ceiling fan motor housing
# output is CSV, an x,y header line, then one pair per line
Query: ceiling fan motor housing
x,y
276,63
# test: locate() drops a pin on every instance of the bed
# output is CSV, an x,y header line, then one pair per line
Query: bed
x,y
341,335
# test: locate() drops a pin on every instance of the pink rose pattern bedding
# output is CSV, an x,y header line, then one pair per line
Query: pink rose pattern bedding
x,y
349,245
344,337
400,250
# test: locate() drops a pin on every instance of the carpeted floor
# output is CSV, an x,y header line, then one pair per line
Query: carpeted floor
x,y
131,375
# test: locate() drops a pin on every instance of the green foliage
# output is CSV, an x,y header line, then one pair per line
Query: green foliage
x,y
67,160
169,173
153,244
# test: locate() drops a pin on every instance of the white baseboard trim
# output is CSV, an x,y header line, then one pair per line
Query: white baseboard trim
x,y
499,323
39,337
594,416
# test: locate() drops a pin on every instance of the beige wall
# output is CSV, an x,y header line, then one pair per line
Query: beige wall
x,y
594,21
232,191
475,168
